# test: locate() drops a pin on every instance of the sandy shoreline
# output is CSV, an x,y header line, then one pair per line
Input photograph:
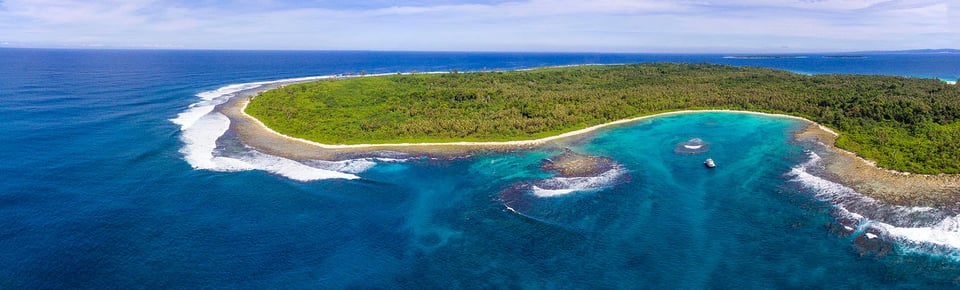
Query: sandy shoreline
x,y
533,142
840,165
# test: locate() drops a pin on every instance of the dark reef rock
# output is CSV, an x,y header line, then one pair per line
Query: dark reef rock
x,y
839,229
871,243
572,164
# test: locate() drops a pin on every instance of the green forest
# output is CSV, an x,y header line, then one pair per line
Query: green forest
x,y
906,124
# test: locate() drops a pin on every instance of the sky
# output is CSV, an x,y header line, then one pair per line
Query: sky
x,y
481,25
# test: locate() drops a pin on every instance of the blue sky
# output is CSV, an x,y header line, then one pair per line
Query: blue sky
x,y
478,25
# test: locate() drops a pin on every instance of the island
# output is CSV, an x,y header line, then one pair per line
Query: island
x,y
897,125
764,56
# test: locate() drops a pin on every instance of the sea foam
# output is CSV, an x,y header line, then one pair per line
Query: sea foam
x,y
915,229
558,186
201,127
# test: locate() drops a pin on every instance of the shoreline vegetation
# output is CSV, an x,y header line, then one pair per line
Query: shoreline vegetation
x,y
904,124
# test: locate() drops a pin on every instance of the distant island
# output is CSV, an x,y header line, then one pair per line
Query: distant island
x,y
764,56
912,51
905,124
788,56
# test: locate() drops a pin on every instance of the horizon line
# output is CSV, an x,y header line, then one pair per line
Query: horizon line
x,y
741,52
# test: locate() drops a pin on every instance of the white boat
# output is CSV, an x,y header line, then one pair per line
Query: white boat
x,y
709,163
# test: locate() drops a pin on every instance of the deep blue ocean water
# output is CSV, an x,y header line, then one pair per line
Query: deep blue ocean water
x,y
96,192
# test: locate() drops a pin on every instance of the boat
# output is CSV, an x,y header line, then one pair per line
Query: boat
x,y
709,163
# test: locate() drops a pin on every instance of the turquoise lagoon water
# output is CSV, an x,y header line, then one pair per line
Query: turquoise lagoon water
x,y
118,174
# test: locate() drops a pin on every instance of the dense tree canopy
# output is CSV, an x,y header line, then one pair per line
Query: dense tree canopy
x,y
907,124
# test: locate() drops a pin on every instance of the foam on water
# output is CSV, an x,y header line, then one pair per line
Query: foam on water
x,y
915,229
551,192
201,127
200,141
209,100
293,169
692,146
559,186
348,166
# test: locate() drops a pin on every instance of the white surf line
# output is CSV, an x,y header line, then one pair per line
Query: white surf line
x,y
944,232
201,125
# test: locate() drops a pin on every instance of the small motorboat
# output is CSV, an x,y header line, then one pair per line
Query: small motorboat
x,y
709,163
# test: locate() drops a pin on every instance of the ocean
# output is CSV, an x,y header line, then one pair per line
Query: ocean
x,y
104,185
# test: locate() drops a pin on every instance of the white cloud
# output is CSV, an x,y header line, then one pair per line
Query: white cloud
x,y
604,25
811,4
72,11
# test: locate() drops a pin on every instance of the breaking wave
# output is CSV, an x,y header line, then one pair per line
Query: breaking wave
x,y
201,127
558,186
925,230
566,202
692,146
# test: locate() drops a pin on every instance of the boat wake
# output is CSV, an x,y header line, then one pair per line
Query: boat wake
x,y
926,230
204,148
